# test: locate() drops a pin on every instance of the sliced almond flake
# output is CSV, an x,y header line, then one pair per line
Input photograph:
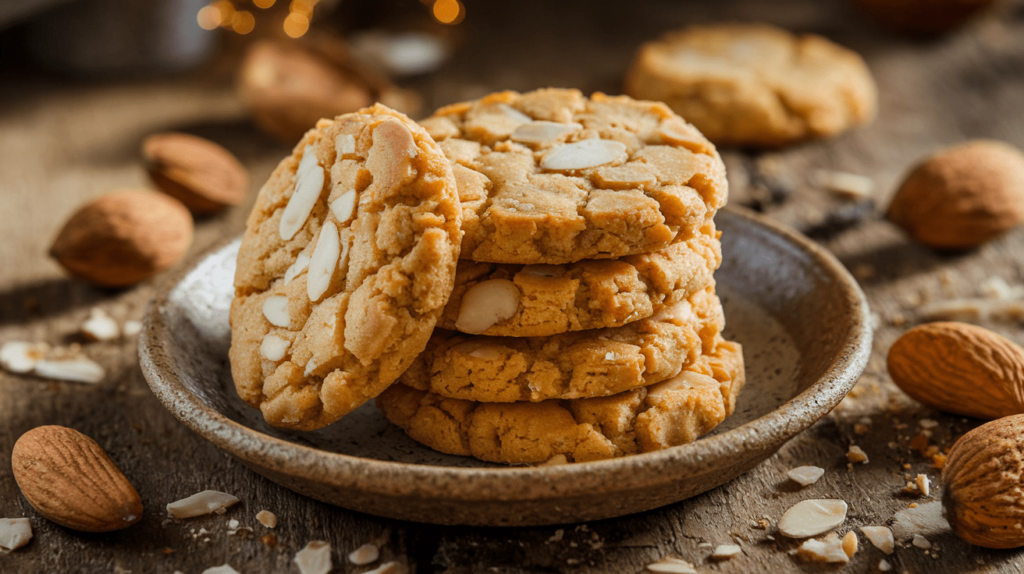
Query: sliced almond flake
x,y
856,454
584,154
672,566
884,566
880,537
205,502
267,518
924,519
848,185
345,144
78,369
812,517
309,182
973,310
921,542
726,551
805,475
927,423
222,569
365,554
486,304
233,524
344,206
311,366
315,558
275,309
21,356
323,262
273,347
387,568
850,543
100,326
514,114
923,484
14,533
609,356
829,549
132,328
539,132
300,265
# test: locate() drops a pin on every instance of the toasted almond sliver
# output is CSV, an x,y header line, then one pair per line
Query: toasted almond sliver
x,y
79,370
100,326
14,532
880,537
204,502
542,131
812,517
365,554
315,558
309,182
672,566
343,207
805,475
21,356
583,154
267,518
273,347
486,304
323,262
275,309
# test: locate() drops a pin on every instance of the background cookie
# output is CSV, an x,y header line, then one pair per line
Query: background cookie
x,y
347,260
591,363
542,300
754,84
553,177
670,413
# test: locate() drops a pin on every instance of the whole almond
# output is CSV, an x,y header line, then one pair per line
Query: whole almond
x,y
124,237
982,496
962,196
199,173
70,480
960,368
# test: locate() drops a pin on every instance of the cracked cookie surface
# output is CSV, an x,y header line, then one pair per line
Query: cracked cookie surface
x,y
347,260
593,363
551,176
670,413
754,84
541,300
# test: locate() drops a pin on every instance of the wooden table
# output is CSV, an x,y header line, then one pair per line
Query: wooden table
x,y
62,142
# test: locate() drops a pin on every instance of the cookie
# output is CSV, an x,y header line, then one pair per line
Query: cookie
x,y
754,84
591,363
553,177
542,300
347,260
645,419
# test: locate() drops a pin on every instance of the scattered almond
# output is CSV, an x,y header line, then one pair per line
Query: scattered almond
x,y
960,368
20,356
880,537
982,496
267,518
76,369
197,172
365,554
812,517
583,154
222,569
921,542
124,237
848,185
963,196
132,328
856,454
70,480
830,549
850,543
670,565
726,551
315,558
14,533
100,326
204,502
884,566
805,475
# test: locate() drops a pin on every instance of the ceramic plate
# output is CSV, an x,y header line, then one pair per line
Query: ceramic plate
x,y
801,318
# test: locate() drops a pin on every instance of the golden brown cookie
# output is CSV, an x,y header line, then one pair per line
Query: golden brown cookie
x,y
553,177
754,84
542,300
645,419
348,259
592,363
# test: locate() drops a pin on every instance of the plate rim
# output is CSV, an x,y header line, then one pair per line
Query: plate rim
x,y
507,483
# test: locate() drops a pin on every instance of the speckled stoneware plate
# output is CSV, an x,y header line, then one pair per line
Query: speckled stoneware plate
x,y
800,316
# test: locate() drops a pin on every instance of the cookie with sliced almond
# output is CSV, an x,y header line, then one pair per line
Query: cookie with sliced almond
x,y
553,177
347,261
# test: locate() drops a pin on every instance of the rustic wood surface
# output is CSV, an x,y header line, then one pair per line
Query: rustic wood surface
x,y
63,142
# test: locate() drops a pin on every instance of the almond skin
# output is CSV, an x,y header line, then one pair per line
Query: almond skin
x,y
962,196
960,368
982,496
70,480
124,237
195,171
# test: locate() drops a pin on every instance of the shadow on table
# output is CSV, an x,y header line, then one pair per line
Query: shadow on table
x,y
41,299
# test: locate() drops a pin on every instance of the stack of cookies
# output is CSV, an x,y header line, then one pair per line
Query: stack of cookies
x,y
580,322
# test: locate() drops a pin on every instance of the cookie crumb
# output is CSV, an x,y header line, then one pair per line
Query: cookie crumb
x,y
856,454
267,518
828,549
315,558
365,554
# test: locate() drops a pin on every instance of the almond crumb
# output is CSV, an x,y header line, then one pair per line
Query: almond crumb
x,y
856,454
365,554
267,518
805,475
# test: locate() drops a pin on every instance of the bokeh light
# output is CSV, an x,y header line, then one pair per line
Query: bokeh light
x,y
208,17
449,11
263,3
243,22
296,24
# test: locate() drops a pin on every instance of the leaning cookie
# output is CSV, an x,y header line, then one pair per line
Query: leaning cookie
x,y
542,300
754,84
551,176
670,413
347,261
593,363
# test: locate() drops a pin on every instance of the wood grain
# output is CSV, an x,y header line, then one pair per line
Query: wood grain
x,y
62,143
